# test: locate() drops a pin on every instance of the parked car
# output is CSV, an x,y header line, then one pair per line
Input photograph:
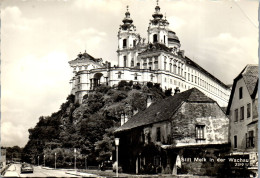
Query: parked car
x,y
26,168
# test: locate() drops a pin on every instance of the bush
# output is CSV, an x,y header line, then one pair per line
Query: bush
x,y
118,96
122,84
168,92
137,86
103,88
149,84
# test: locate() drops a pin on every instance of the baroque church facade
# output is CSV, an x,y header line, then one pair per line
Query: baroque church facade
x,y
159,60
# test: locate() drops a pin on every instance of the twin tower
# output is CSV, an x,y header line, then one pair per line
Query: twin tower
x,y
130,42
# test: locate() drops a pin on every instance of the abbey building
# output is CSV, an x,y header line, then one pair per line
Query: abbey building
x,y
157,60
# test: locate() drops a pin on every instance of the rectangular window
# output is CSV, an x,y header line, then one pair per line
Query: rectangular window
x,y
236,115
251,139
242,113
191,78
240,92
188,77
200,132
195,79
158,134
134,42
235,141
248,110
124,61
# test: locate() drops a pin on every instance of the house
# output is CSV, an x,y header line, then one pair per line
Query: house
x,y
160,59
243,113
188,131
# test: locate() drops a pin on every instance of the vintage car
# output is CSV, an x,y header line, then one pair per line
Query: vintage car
x,y
26,168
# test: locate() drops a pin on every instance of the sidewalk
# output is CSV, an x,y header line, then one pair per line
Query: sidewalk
x,y
81,174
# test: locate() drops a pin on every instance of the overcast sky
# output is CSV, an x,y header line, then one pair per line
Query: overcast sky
x,y
38,38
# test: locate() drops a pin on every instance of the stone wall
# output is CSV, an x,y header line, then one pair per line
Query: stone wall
x,y
189,115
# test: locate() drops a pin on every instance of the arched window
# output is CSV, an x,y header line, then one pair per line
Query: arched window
x,y
124,43
155,39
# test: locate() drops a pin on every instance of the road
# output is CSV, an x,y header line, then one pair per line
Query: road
x,y
14,171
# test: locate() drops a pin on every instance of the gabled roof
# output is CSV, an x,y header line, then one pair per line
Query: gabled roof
x,y
164,109
250,77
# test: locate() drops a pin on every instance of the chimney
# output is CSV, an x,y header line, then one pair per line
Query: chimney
x,y
149,100
176,91
126,118
135,112
122,119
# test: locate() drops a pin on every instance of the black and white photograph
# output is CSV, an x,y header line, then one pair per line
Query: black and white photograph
x,y
129,88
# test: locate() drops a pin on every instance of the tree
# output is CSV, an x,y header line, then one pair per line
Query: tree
x,y
105,147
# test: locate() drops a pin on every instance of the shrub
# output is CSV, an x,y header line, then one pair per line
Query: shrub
x,y
149,84
168,92
122,84
103,88
137,86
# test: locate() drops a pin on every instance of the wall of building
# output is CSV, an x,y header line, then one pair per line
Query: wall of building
x,y
208,114
239,128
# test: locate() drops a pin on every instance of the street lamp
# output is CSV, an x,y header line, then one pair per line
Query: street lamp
x,y
55,160
117,144
44,160
38,160
75,152
86,161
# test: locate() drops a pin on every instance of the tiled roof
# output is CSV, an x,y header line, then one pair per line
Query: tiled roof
x,y
85,56
250,76
164,109
155,47
197,66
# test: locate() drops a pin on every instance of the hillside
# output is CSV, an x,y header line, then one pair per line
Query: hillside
x,y
87,127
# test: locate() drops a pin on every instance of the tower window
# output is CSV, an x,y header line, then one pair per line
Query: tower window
x,y
134,42
124,61
124,43
155,38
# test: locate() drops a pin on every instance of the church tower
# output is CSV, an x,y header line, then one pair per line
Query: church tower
x,y
128,40
158,28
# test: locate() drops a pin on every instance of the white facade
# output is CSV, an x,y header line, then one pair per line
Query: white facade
x,y
160,60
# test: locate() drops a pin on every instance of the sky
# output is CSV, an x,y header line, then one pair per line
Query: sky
x,y
39,37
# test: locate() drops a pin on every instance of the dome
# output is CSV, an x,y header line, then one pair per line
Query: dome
x,y
172,37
